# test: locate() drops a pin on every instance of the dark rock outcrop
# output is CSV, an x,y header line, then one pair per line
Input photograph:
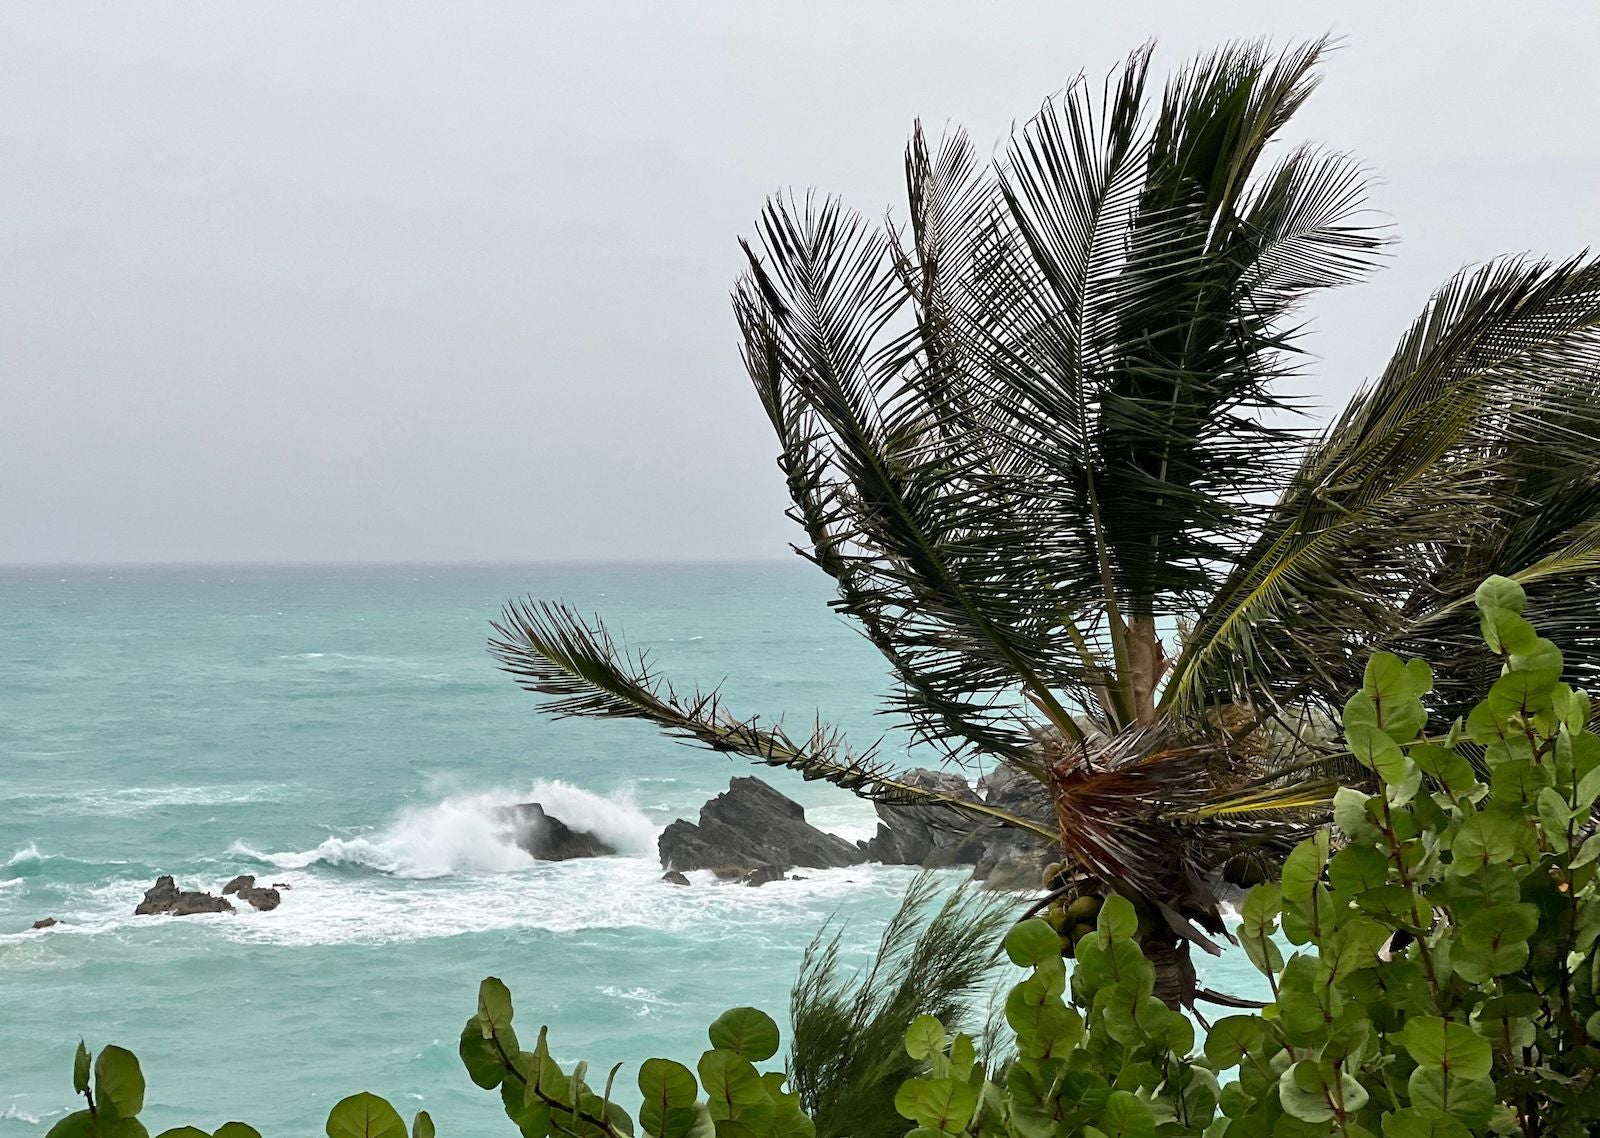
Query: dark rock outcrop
x,y
239,884
263,899
165,899
47,923
929,836
1011,858
547,838
673,877
748,827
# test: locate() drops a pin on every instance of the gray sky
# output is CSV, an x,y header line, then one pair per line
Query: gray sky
x,y
448,281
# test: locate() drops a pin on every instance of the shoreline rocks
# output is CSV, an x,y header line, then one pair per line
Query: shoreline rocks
x,y
751,827
544,837
165,899
753,834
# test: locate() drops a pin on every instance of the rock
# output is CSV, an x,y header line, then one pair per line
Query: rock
x,y
280,885
47,923
1013,859
930,836
762,875
751,826
242,882
165,899
263,899
547,838
673,877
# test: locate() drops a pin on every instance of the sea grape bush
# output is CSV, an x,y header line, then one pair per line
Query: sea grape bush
x,y
738,1101
1441,977
542,1100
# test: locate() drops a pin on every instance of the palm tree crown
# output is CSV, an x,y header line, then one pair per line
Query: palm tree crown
x,y
1031,433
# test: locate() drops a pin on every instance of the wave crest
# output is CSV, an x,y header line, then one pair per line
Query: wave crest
x,y
472,834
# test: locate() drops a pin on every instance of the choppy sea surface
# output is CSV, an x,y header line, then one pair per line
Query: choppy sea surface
x,y
343,731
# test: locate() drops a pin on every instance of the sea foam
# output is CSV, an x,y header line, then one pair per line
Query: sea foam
x,y
471,834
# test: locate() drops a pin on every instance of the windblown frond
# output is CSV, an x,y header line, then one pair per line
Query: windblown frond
x,y
1475,453
553,652
1013,439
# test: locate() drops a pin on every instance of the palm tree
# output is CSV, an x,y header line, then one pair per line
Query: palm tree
x,y
1032,434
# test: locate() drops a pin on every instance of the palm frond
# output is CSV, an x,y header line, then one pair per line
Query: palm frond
x,y
847,1055
553,652
1472,454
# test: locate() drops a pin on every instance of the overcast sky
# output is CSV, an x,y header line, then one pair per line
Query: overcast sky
x,y
448,281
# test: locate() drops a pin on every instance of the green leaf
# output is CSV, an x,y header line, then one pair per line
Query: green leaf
x,y
943,1105
1125,1115
1506,632
665,1084
118,1082
1302,869
1375,749
184,1132
1446,767
1231,1038
80,1069
1356,869
1453,1047
479,1056
1117,918
1032,942
1471,1101
494,1004
731,1083
749,1032
1303,1093
1501,592
78,1124
1414,1122
422,1125
925,1037
1351,817
235,1130
364,1115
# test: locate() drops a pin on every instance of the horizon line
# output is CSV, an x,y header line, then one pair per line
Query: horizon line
x,y
374,563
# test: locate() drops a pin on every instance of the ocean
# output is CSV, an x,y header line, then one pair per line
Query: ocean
x,y
344,731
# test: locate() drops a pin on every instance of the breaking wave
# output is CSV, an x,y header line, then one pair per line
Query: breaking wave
x,y
472,834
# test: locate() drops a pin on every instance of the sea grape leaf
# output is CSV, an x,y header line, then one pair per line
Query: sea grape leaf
x,y
925,1037
118,1082
1439,1044
749,1032
364,1115
1032,942
494,1005
943,1105
479,1056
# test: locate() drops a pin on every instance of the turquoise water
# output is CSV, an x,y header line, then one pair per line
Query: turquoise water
x,y
344,731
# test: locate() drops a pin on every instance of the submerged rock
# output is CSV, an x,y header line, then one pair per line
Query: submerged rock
x,y
547,838
673,877
47,923
165,899
762,875
751,827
